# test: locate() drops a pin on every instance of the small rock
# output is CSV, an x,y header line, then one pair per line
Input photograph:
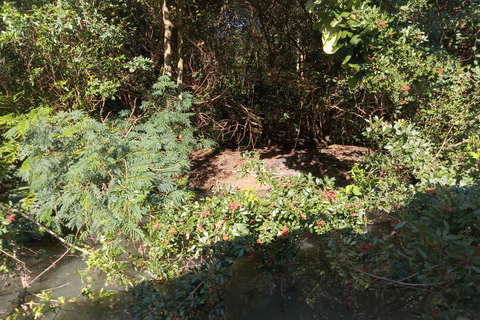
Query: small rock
x,y
280,162
304,157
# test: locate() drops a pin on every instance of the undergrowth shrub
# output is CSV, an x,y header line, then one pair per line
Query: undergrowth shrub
x,y
104,178
187,251
429,193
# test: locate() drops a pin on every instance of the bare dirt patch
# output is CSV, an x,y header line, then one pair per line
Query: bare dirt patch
x,y
212,169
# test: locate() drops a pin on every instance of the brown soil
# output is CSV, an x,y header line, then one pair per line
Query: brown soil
x,y
213,169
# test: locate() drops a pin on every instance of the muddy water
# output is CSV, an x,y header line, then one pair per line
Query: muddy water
x,y
307,291
63,280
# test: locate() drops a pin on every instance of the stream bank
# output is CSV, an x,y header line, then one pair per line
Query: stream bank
x,y
306,291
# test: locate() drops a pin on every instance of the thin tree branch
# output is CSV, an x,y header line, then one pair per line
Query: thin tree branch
x,y
400,283
51,266
190,294
13,257
62,240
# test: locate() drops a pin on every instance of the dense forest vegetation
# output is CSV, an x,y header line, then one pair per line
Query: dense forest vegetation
x,y
101,103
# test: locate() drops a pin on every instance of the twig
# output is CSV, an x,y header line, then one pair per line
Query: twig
x,y
326,265
52,233
296,139
165,169
129,119
395,308
399,282
52,265
49,289
446,137
190,294
13,257
40,297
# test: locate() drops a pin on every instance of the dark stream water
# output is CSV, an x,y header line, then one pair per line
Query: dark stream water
x,y
306,292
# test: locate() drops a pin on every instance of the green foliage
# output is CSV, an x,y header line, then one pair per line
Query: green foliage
x,y
197,295
358,25
411,67
38,310
432,252
219,230
454,25
394,49
67,55
105,177
431,196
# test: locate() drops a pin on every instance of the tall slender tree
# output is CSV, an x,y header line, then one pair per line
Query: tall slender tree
x,y
180,10
167,40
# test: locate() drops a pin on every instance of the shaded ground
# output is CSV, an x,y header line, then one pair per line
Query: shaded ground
x,y
212,169
308,290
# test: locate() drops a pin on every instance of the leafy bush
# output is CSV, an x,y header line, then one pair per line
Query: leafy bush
x,y
431,198
105,178
393,54
433,253
197,242
68,55
90,178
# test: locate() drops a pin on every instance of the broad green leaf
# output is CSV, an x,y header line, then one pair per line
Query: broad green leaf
x,y
423,254
400,225
355,39
352,83
334,23
310,6
240,230
329,38
355,66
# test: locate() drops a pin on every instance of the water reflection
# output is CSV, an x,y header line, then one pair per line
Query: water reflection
x,y
307,290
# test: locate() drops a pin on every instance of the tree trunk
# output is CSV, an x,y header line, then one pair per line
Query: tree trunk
x,y
300,57
167,56
180,47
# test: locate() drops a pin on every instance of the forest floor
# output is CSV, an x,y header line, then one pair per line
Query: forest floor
x,y
212,169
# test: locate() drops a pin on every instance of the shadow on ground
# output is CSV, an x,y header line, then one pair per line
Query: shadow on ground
x,y
212,169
